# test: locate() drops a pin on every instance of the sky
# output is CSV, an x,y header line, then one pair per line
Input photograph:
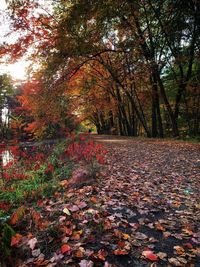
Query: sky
x,y
16,70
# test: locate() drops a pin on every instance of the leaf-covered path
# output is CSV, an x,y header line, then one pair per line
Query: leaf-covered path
x,y
151,188
142,211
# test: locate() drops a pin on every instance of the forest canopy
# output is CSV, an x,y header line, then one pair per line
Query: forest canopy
x,y
129,67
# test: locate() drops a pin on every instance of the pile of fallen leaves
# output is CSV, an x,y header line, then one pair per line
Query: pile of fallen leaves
x,y
142,211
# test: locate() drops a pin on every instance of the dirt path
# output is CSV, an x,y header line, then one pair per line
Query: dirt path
x,y
143,211
154,187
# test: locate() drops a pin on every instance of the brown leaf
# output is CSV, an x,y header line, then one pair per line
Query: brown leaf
x,y
175,262
36,217
179,250
17,215
161,255
80,252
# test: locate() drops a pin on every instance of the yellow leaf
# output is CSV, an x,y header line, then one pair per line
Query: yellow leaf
x,y
66,211
125,236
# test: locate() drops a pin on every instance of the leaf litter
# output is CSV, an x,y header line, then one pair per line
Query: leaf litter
x,y
144,210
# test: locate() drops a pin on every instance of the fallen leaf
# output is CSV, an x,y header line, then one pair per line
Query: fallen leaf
x,y
159,226
120,252
102,254
82,205
74,208
175,262
125,236
86,263
161,255
182,260
64,182
80,252
32,242
179,250
107,225
36,252
188,231
107,264
140,236
65,239
15,240
93,200
56,257
62,219
36,217
166,234
66,211
188,245
148,254
65,248
77,235
41,262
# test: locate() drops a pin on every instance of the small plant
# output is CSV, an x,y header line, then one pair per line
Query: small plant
x,y
5,240
81,149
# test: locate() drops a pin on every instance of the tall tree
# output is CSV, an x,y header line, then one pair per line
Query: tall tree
x,y
136,43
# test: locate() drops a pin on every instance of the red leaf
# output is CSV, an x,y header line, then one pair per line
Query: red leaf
x,y
120,252
15,240
148,254
65,248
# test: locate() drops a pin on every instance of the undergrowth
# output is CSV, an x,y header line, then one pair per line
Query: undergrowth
x,y
35,173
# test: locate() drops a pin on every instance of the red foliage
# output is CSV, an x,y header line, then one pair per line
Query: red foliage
x,y
87,151
49,169
4,206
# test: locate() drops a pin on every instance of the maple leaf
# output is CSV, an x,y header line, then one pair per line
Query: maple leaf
x,y
65,248
102,254
148,254
80,252
15,239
